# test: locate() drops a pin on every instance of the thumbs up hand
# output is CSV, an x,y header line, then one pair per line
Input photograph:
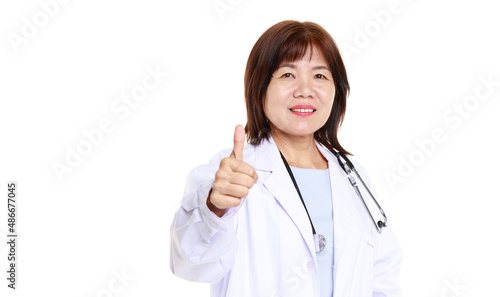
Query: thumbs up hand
x,y
233,179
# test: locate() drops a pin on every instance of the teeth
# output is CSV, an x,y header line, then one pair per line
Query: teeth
x,y
302,110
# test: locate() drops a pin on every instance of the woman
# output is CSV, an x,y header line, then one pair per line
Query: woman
x,y
250,220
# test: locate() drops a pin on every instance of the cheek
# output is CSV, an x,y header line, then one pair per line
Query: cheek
x,y
265,104
271,112
328,91
270,102
330,95
329,103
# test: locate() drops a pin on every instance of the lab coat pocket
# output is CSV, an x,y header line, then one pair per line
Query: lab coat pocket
x,y
370,243
368,256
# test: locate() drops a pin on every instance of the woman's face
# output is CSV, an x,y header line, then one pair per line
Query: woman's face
x,y
300,96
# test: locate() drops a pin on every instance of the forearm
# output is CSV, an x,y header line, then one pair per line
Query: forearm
x,y
203,245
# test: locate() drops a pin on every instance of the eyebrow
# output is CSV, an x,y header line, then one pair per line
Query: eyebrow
x,y
293,66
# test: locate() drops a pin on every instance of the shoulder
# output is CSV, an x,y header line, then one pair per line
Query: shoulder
x,y
333,159
359,167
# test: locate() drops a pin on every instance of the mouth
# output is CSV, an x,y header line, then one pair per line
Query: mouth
x,y
303,110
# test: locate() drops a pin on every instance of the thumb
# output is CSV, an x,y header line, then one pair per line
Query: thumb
x,y
239,142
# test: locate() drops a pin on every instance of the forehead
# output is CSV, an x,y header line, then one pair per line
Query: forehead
x,y
310,55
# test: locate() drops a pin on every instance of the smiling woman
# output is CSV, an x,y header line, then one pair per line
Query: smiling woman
x,y
297,41
278,217
299,99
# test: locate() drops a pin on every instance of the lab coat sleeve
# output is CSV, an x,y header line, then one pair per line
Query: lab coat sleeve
x,y
203,246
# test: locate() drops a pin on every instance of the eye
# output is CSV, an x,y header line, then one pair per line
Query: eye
x,y
287,75
320,76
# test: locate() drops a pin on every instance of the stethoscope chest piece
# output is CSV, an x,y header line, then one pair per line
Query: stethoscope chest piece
x,y
319,242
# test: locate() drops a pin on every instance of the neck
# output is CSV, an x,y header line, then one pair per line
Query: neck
x,y
300,151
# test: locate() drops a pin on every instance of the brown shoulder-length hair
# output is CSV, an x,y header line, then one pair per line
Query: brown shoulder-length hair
x,y
288,41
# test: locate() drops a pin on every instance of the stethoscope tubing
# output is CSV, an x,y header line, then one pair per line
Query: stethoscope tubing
x,y
349,168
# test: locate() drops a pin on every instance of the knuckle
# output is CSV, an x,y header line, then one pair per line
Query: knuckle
x,y
225,202
214,198
250,170
253,172
219,174
222,174
224,162
249,182
234,203
243,192
215,185
220,201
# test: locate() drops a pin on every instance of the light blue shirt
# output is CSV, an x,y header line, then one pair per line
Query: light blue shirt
x,y
315,188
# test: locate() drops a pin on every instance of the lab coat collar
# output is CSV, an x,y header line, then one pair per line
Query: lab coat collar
x,y
267,158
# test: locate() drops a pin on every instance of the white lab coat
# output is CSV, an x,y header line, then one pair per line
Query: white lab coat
x,y
265,248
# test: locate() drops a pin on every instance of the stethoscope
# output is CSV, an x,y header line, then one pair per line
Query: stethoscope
x,y
352,173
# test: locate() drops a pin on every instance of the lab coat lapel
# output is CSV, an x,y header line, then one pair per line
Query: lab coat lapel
x,y
346,248
281,187
343,207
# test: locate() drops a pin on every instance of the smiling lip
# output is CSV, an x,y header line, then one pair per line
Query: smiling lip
x,y
303,110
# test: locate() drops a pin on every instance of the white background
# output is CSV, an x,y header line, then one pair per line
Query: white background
x,y
112,213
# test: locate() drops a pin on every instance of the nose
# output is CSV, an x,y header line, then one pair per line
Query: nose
x,y
304,88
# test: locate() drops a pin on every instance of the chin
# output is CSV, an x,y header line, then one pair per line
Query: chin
x,y
301,132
